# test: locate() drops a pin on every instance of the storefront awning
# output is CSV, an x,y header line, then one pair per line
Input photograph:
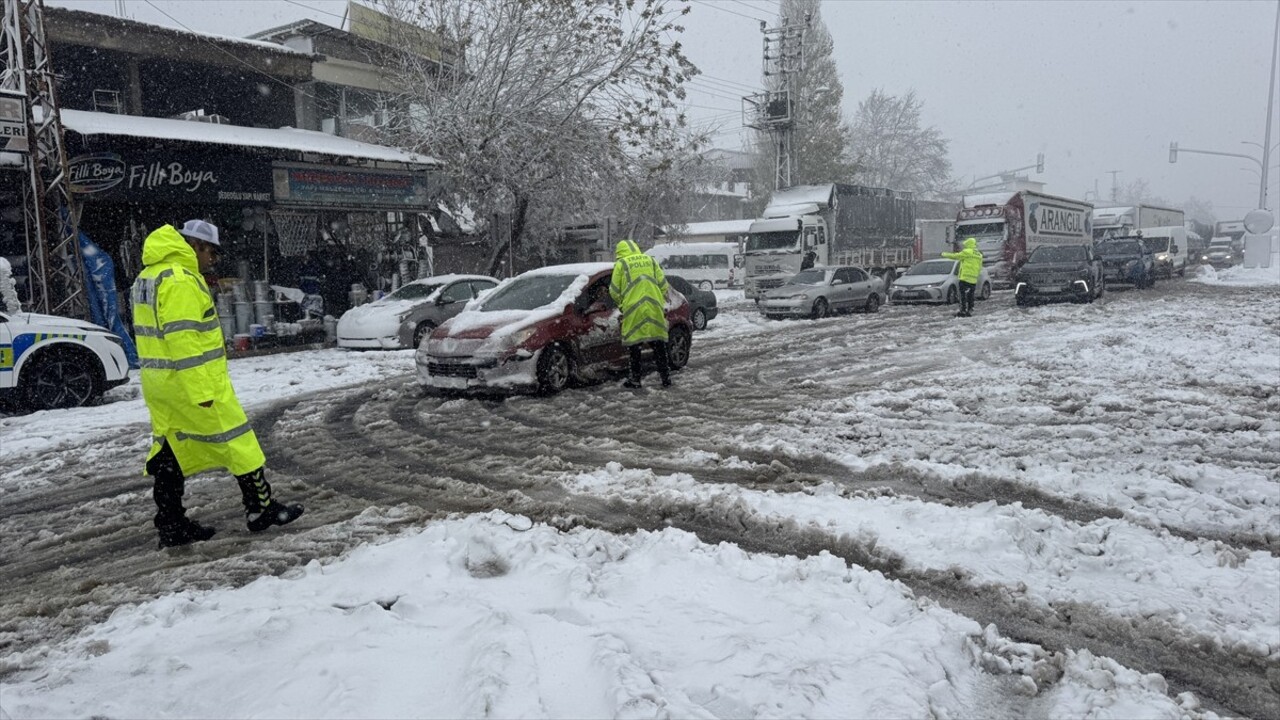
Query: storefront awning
x,y
292,139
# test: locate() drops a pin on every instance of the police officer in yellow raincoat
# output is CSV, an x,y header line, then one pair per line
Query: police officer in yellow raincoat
x,y
970,272
640,290
197,422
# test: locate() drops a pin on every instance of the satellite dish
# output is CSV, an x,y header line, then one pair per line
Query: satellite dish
x,y
1259,222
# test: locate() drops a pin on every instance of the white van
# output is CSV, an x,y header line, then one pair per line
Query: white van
x,y
707,265
1169,245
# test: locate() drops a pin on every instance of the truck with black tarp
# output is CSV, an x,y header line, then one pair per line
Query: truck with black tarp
x,y
832,224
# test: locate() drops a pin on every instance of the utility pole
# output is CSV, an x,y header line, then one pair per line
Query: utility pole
x,y
1115,188
55,267
775,111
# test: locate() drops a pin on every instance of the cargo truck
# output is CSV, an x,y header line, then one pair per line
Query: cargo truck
x,y
1130,220
1009,225
832,224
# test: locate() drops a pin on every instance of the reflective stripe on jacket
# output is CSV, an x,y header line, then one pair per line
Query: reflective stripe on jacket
x,y
640,290
970,261
184,363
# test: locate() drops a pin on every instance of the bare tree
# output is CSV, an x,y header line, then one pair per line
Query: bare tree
x,y
1138,192
892,149
542,109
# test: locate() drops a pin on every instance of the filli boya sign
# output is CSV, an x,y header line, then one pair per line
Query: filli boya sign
x,y
186,178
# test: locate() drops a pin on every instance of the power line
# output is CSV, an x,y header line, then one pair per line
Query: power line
x,y
316,9
229,54
731,12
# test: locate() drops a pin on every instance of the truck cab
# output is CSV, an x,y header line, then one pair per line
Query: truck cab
x,y
778,248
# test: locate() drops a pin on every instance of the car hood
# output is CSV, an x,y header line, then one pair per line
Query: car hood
x,y
477,325
57,322
376,319
789,290
918,280
1054,267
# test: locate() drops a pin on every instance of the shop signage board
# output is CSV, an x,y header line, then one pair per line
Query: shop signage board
x,y
345,187
169,176
13,122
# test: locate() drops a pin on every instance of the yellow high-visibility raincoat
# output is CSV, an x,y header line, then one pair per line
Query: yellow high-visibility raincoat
x,y
640,290
184,363
970,261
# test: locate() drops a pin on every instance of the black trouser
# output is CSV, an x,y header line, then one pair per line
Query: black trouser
x,y
171,483
659,355
966,296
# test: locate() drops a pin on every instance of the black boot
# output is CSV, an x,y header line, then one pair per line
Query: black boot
x,y
260,510
182,532
171,520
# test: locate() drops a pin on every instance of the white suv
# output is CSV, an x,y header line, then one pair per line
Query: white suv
x,y
56,362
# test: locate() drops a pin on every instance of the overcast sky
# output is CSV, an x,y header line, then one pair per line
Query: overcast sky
x,y
1095,86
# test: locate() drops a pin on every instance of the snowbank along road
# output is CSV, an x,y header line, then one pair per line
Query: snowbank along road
x,y
1102,477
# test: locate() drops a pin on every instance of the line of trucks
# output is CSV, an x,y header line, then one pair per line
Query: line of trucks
x,y
877,229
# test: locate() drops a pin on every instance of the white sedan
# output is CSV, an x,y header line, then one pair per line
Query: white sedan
x,y
935,281
50,362
406,316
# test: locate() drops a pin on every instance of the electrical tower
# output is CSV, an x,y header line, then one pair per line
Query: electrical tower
x,y
55,267
775,111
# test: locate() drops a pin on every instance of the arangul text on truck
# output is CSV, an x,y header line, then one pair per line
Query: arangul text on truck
x,y
833,224
1009,225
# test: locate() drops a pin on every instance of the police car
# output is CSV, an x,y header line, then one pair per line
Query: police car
x,y
55,362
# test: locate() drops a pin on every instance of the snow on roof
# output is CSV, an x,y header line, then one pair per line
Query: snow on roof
x,y
68,16
1000,198
287,138
714,227
590,268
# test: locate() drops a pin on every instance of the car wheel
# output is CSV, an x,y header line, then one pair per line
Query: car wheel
x,y
678,344
1182,271
873,303
820,309
952,297
554,369
699,319
706,285
986,291
1022,300
421,332
60,380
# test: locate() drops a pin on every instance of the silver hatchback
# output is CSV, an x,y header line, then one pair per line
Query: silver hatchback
x,y
822,291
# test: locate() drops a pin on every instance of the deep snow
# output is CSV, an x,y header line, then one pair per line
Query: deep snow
x,y
1164,409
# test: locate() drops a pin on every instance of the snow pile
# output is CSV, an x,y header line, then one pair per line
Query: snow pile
x,y
493,616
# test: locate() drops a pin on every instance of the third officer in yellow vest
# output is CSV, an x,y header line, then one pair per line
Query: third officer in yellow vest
x,y
640,290
970,271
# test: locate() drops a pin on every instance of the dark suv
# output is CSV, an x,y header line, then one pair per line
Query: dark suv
x,y
1070,272
1127,260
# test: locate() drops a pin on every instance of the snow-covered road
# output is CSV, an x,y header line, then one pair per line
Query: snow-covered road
x,y
1065,510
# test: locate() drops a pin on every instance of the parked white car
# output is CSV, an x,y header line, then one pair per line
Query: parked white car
x,y
935,281
406,316
50,362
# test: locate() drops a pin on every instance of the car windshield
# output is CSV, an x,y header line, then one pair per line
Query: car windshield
x,y
1057,253
809,277
415,291
1119,248
932,267
1156,244
772,241
527,293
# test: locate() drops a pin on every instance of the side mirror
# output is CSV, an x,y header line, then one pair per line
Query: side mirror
x,y
1173,249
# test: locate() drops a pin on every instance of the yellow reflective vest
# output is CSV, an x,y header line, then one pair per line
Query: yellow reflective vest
x,y
640,290
970,261
184,363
